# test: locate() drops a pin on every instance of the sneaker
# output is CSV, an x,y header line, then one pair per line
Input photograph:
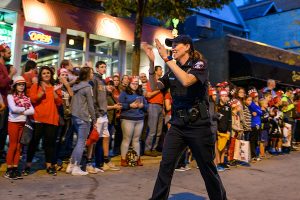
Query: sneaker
x,y
187,168
180,169
69,168
51,171
18,174
78,172
225,166
110,166
9,174
150,153
157,153
98,170
26,171
90,169
220,169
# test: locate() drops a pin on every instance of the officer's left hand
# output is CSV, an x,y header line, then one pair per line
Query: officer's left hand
x,y
161,49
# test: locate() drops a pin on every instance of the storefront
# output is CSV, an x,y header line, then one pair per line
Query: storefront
x,y
59,31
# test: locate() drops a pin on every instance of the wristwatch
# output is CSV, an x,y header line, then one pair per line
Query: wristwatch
x,y
167,59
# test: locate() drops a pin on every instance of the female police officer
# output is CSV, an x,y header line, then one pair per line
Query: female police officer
x,y
190,123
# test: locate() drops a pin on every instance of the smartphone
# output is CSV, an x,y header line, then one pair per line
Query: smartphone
x,y
139,99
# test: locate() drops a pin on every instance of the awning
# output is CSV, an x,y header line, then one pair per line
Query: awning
x,y
245,66
71,17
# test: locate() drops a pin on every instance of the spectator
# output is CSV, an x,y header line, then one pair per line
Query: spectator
x,y
81,117
271,85
117,124
132,119
19,108
100,105
155,116
30,75
255,123
6,76
67,64
124,82
45,97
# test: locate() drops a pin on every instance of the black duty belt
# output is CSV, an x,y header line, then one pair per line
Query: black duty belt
x,y
193,114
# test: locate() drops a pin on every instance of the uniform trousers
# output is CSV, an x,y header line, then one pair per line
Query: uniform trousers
x,y
201,141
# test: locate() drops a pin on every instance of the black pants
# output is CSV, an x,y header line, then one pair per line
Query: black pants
x,y
201,142
254,141
3,128
49,132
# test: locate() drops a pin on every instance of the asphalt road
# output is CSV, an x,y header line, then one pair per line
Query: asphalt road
x,y
271,179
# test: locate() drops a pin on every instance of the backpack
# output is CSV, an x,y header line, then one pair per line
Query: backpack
x,y
131,157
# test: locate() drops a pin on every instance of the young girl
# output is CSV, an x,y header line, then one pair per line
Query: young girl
x,y
265,127
237,128
83,114
19,108
132,119
45,97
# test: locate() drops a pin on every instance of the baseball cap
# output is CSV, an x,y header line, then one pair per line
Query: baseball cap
x,y
184,39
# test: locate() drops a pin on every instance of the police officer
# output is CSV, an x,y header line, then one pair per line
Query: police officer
x,y
190,122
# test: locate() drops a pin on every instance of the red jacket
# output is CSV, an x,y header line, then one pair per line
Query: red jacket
x,y
4,82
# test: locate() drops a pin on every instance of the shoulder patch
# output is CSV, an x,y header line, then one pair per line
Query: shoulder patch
x,y
199,65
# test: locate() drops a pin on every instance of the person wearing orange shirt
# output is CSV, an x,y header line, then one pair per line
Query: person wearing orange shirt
x,y
45,97
155,116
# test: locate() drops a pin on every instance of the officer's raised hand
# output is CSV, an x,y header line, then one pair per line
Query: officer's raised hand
x,y
148,51
161,49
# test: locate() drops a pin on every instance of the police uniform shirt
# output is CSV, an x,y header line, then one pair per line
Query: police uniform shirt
x,y
185,97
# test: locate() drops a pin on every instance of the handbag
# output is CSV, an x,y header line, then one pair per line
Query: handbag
x,y
242,150
27,132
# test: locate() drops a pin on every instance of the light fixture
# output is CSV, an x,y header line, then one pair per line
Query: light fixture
x,y
71,42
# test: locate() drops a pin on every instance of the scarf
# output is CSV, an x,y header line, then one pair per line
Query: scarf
x,y
22,101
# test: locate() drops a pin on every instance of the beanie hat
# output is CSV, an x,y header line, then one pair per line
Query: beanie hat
x,y
3,46
108,80
223,92
234,103
212,91
62,71
253,93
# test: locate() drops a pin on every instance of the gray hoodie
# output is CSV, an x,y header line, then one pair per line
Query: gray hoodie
x,y
82,102
99,90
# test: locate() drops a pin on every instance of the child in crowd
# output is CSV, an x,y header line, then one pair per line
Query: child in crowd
x,y
20,107
224,129
237,128
255,123
265,127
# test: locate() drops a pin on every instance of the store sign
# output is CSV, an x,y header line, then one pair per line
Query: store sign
x,y
40,38
6,32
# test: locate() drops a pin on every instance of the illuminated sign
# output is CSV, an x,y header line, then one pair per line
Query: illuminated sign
x,y
6,32
40,38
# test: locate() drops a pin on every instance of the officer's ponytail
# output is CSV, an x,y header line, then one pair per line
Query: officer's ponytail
x,y
196,55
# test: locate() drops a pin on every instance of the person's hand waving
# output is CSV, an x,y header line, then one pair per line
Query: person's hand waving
x,y
161,49
148,51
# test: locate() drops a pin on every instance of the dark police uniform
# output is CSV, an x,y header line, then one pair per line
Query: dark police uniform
x,y
190,127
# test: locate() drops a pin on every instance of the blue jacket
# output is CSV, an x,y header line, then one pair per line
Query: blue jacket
x,y
131,113
255,120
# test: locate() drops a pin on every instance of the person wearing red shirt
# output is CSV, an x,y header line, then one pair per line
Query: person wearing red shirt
x,y
155,116
45,97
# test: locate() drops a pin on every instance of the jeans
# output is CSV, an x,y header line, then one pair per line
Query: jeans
x,y
155,123
132,130
82,128
3,128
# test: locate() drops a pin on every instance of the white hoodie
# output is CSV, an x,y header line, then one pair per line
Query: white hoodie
x,y
15,111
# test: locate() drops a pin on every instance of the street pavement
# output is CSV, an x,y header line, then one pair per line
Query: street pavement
x,y
271,179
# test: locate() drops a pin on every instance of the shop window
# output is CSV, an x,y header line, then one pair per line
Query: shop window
x,y
111,62
104,45
76,57
46,57
75,39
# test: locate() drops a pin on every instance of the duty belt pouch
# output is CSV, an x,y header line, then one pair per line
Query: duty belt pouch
x,y
193,114
203,112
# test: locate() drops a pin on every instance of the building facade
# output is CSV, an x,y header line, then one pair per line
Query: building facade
x,y
58,31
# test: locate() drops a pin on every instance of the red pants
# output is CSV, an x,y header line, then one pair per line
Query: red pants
x,y
231,148
15,130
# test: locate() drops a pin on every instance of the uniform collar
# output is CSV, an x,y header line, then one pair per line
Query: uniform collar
x,y
188,63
